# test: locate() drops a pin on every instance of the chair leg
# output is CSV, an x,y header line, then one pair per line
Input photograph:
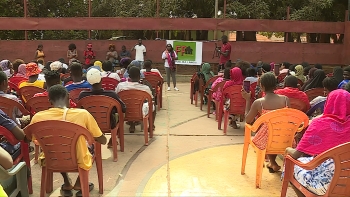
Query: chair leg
x,y
220,116
209,105
25,153
161,96
158,102
202,100
196,98
98,159
259,167
43,182
245,154
145,129
49,181
37,150
121,135
226,113
114,144
22,185
84,182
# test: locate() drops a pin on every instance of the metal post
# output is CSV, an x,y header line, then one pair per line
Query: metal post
x,y
89,12
225,9
25,16
288,18
216,16
157,16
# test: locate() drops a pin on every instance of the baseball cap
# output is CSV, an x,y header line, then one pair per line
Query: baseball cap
x,y
93,76
56,65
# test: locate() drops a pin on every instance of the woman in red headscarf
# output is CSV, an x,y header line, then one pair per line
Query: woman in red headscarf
x,y
89,55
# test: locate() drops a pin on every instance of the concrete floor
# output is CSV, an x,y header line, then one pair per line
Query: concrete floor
x,y
188,156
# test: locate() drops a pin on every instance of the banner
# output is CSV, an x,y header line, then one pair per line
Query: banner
x,y
188,52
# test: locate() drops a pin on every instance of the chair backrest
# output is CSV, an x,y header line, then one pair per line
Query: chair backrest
x,y
298,104
68,83
282,125
14,87
74,94
9,105
237,102
100,107
318,106
219,86
39,103
154,80
58,141
280,77
134,100
65,76
17,80
27,92
8,135
340,184
300,84
109,83
210,81
314,92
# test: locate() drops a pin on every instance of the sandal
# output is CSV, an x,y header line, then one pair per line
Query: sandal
x,y
273,170
80,193
66,193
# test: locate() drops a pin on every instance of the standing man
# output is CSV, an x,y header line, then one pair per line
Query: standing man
x,y
225,52
140,52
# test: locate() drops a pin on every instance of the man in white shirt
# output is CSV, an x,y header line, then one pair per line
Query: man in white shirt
x,y
140,52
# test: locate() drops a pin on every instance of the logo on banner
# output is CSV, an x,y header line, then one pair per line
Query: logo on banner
x,y
186,51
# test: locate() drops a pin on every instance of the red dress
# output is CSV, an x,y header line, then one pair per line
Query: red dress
x,y
89,55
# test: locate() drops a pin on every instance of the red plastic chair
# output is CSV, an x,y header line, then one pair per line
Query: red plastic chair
x,y
24,152
100,107
298,104
329,75
199,91
17,80
68,83
27,92
205,86
109,83
8,106
340,184
218,87
300,84
280,77
134,100
315,92
237,104
74,94
157,83
194,78
59,139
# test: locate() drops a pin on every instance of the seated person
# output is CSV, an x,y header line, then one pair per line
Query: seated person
x,y
94,78
58,96
107,66
53,78
284,67
269,102
41,64
291,90
17,71
10,125
76,73
148,70
265,68
347,87
346,76
6,162
252,75
135,64
326,132
217,95
32,72
134,84
330,84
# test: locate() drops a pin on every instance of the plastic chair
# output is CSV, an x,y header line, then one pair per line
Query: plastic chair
x,y
340,184
298,104
205,86
281,77
74,94
200,82
237,104
194,78
300,84
20,171
27,92
14,87
8,106
282,125
134,100
217,88
65,76
100,107
109,83
17,80
314,92
58,141
318,106
157,84
24,155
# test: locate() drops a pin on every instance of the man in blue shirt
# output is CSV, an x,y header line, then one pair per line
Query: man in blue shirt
x,y
346,75
76,72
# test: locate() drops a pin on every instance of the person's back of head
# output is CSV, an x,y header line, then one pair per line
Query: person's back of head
x,y
56,66
227,73
93,76
148,65
125,62
266,67
47,65
330,84
52,78
61,60
318,66
76,70
292,67
243,65
228,64
305,64
58,94
3,81
107,66
307,70
251,72
16,63
286,65
291,81
134,73
268,82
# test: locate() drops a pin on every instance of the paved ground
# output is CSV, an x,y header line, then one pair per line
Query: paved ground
x,y
187,157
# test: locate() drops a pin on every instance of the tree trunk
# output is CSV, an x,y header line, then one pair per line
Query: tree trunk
x,y
250,36
239,36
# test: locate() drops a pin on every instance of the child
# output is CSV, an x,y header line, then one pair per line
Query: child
x,y
89,55
346,75
252,75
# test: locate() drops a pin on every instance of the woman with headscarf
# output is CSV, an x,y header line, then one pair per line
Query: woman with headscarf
x,y
299,73
21,71
316,81
338,74
326,132
310,76
6,67
236,78
206,72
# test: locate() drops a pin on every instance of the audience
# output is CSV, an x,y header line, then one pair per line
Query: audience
x,y
310,77
269,102
76,73
6,67
217,94
326,132
252,75
58,96
316,81
299,73
284,67
330,84
318,66
148,70
107,67
346,78
32,72
15,66
338,74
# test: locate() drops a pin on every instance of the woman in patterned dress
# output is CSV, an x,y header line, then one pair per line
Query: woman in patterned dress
x,y
326,132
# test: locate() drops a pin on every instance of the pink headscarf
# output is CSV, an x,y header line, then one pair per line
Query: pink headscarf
x,y
332,128
236,77
21,70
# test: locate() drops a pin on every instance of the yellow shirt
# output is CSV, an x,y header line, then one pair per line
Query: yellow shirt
x,y
2,192
37,83
77,116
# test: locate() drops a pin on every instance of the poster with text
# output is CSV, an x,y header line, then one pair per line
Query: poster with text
x,y
188,52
